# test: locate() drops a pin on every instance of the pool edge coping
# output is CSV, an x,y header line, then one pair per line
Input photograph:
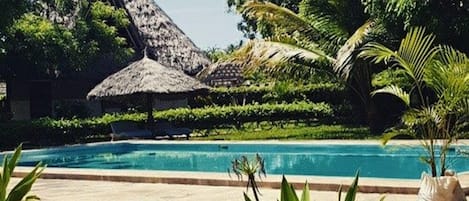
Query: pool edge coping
x,y
317,183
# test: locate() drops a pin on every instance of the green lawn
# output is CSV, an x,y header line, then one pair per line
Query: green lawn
x,y
289,132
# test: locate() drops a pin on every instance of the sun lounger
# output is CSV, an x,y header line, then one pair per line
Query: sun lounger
x,y
129,130
164,128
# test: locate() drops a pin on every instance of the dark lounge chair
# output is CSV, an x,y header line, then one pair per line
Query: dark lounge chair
x,y
127,129
164,128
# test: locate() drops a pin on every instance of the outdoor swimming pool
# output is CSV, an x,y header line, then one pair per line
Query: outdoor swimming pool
x,y
291,159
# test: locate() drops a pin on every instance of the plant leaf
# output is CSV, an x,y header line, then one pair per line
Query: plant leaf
x,y
279,16
305,196
246,197
287,193
24,186
339,191
352,191
396,91
344,62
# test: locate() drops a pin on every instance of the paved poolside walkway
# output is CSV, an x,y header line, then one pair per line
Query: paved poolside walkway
x,y
74,190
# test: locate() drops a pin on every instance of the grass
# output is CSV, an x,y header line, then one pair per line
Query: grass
x,y
288,132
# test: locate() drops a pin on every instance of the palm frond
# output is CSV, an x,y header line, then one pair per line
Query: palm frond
x,y
389,135
344,63
396,91
280,17
418,51
415,53
399,6
377,53
270,54
449,76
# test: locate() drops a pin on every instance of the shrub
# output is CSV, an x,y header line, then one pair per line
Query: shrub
x,y
332,93
49,131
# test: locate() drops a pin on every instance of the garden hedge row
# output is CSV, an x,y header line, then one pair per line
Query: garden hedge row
x,y
332,93
66,131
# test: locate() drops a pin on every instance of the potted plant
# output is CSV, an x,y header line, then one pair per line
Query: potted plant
x,y
438,102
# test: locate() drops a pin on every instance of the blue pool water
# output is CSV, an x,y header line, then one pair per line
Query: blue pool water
x,y
292,159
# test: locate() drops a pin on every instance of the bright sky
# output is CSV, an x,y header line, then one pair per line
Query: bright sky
x,y
206,22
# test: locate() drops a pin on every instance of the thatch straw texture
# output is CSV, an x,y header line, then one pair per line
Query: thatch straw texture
x,y
228,73
165,42
146,76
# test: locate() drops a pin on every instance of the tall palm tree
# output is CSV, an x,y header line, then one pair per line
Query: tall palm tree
x,y
311,36
439,71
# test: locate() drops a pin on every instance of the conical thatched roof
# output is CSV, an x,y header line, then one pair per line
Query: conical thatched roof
x,y
149,77
227,73
165,42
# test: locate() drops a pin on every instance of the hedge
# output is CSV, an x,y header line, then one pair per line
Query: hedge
x,y
48,131
332,93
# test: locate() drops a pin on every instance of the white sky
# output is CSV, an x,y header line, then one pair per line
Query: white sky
x,y
206,22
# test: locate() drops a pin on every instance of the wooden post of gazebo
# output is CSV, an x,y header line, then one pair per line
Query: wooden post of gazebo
x,y
150,119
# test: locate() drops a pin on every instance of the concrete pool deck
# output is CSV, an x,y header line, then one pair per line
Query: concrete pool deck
x,y
318,183
74,190
69,184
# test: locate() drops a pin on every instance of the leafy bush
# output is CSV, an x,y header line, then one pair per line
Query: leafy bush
x,y
332,93
391,77
48,131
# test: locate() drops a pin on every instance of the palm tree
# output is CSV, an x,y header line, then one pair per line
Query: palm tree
x,y
313,35
438,102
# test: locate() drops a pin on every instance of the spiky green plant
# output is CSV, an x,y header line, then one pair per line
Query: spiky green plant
x,y
287,192
438,102
244,166
19,191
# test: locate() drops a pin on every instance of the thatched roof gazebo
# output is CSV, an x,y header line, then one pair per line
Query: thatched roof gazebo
x,y
148,78
227,73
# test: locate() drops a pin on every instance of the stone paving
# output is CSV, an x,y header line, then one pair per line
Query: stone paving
x,y
71,190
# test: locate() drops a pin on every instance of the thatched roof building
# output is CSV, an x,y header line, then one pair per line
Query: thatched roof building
x,y
150,28
166,43
228,74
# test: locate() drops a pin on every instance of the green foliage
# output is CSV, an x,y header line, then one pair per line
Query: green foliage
x,y
68,131
352,191
438,110
280,92
20,190
251,27
36,47
288,193
236,115
446,18
391,77
287,131
314,35
249,168
217,54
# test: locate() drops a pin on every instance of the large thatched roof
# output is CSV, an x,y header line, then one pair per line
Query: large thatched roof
x,y
165,42
225,73
146,76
